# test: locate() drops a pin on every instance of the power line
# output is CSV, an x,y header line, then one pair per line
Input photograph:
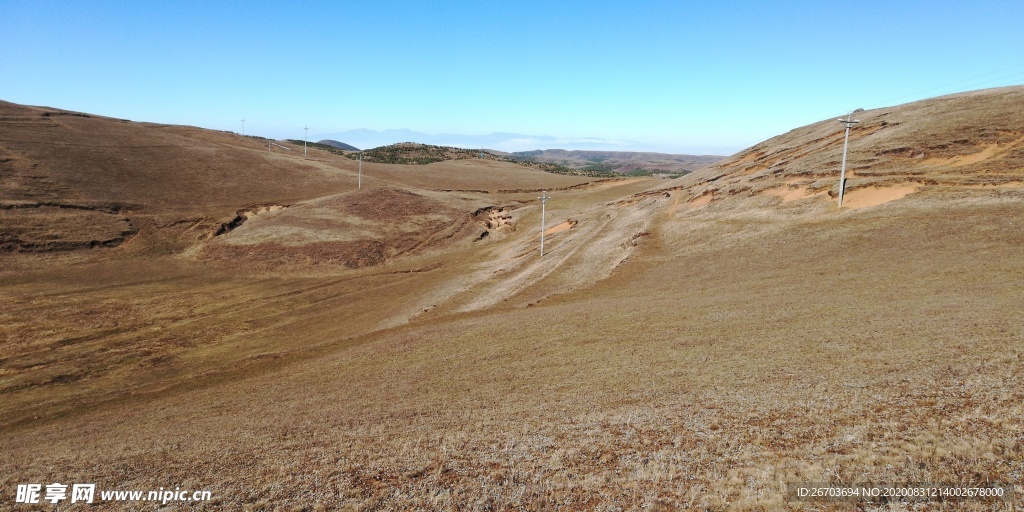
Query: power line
x,y
888,101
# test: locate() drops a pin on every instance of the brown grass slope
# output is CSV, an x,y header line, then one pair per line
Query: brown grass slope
x,y
77,181
697,347
951,143
354,229
71,181
55,155
151,275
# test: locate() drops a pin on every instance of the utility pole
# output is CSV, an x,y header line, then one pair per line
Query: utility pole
x,y
543,206
243,127
360,170
848,123
304,137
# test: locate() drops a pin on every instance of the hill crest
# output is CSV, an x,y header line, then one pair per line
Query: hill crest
x,y
956,143
337,144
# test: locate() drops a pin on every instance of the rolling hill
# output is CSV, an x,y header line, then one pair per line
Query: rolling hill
x,y
73,181
697,343
582,163
959,144
339,145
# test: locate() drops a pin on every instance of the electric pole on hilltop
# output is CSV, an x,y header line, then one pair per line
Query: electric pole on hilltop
x,y
543,206
848,123
243,127
304,137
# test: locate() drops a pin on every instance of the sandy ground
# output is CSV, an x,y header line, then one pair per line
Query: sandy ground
x,y
564,226
702,200
790,193
986,152
874,196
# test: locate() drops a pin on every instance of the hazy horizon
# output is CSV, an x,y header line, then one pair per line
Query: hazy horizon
x,y
500,141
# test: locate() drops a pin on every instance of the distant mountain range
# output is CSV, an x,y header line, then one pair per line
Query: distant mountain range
x,y
501,141
597,155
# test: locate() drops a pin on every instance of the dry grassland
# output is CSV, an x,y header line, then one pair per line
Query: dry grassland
x,y
470,175
847,355
696,346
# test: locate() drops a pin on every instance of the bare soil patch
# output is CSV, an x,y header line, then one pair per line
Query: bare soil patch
x,y
874,196
564,226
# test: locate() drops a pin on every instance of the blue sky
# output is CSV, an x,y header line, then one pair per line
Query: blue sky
x,y
687,77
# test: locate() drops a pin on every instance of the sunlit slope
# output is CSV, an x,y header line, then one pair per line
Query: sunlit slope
x,y
956,144
354,229
472,175
728,355
288,280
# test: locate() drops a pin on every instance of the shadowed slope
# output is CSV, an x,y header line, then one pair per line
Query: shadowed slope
x,y
60,172
54,155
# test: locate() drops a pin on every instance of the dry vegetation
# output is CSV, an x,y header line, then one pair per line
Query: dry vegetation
x,y
418,154
943,145
356,229
410,153
621,162
693,347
